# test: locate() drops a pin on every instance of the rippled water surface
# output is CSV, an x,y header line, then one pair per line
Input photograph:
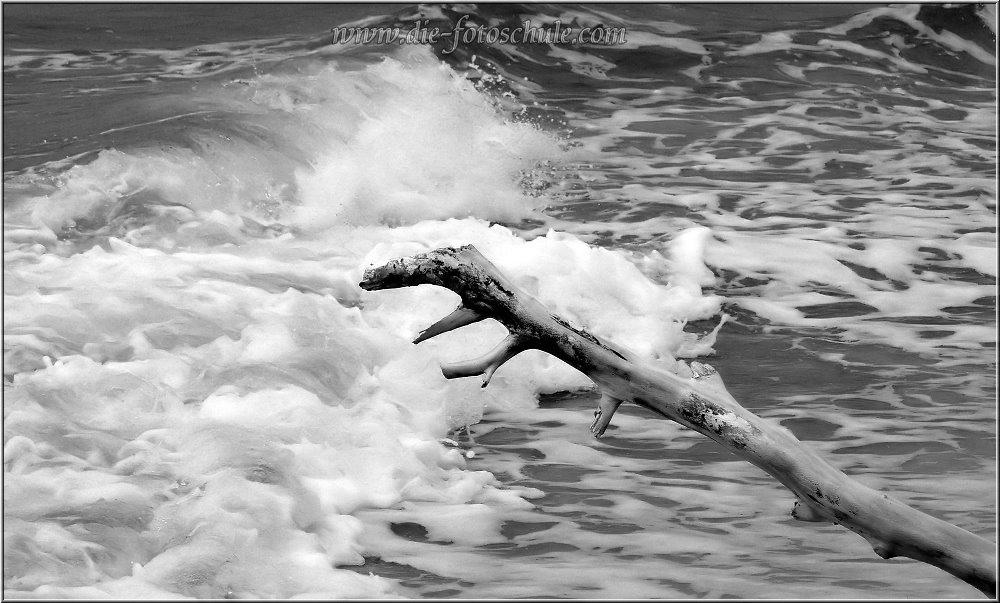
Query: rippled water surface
x,y
200,401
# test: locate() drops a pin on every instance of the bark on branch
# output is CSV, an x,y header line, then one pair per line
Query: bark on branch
x,y
701,403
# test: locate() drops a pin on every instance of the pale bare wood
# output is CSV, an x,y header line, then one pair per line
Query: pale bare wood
x,y
461,317
700,402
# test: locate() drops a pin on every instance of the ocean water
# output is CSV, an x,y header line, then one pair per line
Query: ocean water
x,y
199,400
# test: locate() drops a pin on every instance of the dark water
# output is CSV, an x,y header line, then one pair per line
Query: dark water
x,y
200,401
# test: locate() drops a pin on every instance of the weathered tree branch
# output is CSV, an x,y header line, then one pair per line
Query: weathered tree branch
x,y
701,403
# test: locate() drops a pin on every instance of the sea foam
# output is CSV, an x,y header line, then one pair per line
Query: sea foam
x,y
204,403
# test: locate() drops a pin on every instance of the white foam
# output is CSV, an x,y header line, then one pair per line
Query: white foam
x,y
395,142
298,410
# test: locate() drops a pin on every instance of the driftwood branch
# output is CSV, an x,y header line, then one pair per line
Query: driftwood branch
x,y
700,402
